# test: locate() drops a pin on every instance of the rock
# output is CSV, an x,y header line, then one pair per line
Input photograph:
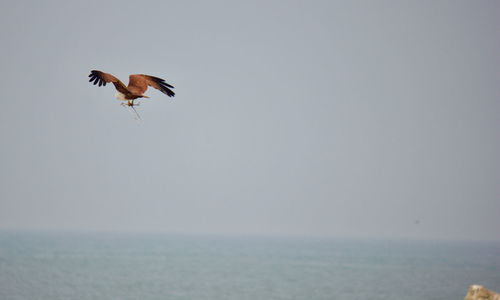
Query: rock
x,y
478,292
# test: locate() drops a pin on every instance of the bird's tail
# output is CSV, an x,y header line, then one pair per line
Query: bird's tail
x,y
143,97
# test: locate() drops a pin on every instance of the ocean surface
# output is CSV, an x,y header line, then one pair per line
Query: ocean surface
x,y
160,266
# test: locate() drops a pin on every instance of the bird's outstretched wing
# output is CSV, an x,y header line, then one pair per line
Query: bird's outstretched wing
x,y
102,78
138,84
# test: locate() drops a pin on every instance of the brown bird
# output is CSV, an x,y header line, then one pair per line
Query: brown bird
x,y
137,85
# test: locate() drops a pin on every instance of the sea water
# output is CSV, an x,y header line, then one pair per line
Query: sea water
x,y
160,266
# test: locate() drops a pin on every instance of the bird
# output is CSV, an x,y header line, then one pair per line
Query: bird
x,y
137,85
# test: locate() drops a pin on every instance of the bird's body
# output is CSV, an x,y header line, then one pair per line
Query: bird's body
x,y
137,85
121,96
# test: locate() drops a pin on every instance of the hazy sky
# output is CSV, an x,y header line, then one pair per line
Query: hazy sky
x,y
347,118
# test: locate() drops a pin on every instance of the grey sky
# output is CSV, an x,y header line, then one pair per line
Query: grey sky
x,y
350,118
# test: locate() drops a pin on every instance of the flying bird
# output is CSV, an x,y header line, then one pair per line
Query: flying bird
x,y
137,85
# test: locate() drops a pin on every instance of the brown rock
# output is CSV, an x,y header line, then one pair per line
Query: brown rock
x,y
478,292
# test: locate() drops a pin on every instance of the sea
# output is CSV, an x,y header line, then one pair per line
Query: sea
x,y
43,265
